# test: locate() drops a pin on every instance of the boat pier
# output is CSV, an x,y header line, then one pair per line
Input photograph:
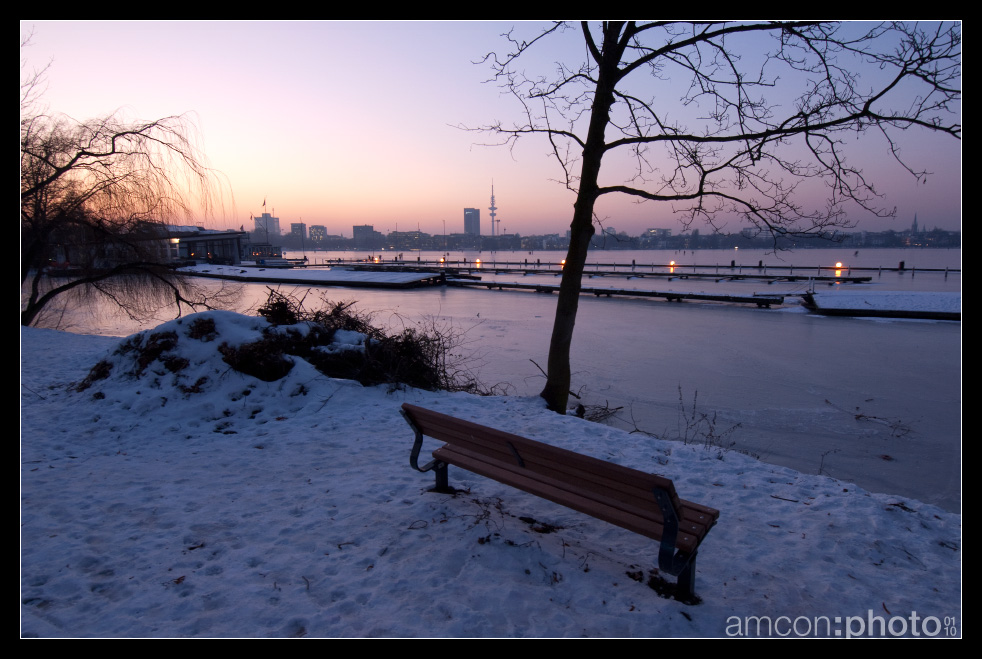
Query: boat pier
x,y
494,275
762,301
669,272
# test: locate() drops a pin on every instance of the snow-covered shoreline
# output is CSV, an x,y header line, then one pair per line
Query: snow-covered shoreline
x,y
288,508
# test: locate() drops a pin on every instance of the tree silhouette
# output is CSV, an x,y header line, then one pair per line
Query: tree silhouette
x,y
771,107
94,199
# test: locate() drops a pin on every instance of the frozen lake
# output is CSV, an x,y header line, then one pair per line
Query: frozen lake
x,y
875,402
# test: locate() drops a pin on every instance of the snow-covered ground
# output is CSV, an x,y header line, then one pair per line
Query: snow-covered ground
x,y
200,501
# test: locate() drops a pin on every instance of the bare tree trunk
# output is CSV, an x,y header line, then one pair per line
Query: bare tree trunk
x,y
556,391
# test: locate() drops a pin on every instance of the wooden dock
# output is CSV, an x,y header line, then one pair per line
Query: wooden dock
x,y
665,272
761,301
403,277
944,306
344,277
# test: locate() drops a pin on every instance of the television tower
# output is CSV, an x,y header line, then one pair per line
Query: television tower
x,y
493,208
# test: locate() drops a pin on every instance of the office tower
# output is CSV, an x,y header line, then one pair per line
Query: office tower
x,y
472,221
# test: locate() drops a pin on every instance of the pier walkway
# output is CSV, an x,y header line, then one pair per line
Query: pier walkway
x,y
486,274
669,272
763,301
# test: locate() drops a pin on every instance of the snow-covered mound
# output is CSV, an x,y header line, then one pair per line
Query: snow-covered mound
x,y
197,353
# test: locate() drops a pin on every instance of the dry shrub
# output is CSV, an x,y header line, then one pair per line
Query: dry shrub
x,y
147,353
98,372
263,359
418,357
203,329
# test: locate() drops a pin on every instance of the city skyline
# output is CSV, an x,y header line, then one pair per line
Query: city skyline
x,y
349,123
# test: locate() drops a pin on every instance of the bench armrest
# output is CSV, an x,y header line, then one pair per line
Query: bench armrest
x,y
668,560
417,447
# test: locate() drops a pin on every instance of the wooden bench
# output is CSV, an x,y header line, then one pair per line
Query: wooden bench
x,y
644,503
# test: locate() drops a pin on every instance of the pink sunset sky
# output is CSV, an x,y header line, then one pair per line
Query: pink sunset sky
x,y
345,123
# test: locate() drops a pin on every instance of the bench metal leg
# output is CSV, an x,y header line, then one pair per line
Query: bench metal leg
x,y
685,589
680,564
442,480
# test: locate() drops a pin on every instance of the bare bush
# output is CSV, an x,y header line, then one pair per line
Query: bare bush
x,y
696,426
424,355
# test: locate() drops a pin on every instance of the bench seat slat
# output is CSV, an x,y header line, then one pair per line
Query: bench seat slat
x,y
638,501
646,522
537,455
589,506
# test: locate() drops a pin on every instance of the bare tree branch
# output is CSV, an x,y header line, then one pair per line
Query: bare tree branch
x,y
95,198
759,123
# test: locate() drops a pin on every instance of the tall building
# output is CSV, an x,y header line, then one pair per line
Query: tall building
x,y
298,230
267,226
472,221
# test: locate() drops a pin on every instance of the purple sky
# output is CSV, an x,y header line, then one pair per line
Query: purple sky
x,y
339,123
